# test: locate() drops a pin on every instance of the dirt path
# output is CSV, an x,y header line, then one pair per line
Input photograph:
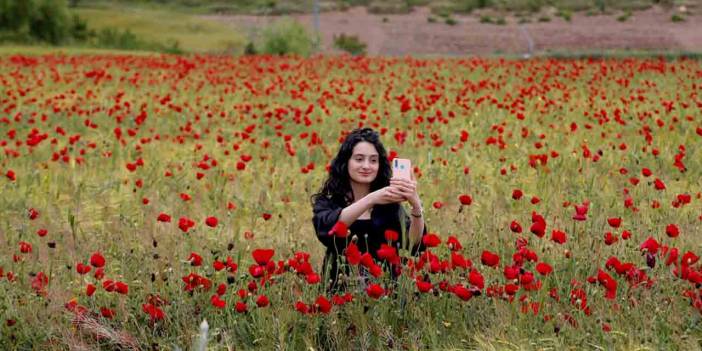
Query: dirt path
x,y
412,34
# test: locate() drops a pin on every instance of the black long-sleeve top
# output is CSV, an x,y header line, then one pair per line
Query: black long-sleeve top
x,y
326,213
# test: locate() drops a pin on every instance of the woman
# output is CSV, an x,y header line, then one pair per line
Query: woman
x,y
361,192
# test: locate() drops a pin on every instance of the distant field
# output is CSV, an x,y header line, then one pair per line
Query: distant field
x,y
164,25
401,6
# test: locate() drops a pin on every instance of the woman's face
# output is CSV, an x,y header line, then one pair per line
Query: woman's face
x,y
363,164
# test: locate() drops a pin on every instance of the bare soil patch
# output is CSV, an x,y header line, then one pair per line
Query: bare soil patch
x,y
413,34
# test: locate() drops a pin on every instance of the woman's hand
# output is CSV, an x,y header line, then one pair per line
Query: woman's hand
x,y
386,195
407,188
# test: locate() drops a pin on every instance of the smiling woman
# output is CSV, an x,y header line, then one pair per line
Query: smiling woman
x,y
357,211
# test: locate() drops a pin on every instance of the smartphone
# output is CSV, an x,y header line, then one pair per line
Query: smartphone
x,y
401,168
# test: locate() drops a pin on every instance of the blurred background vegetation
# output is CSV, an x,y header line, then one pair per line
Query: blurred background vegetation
x,y
177,26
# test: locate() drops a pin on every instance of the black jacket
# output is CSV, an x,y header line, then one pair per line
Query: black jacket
x,y
326,213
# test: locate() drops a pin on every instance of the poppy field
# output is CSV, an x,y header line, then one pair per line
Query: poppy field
x,y
141,195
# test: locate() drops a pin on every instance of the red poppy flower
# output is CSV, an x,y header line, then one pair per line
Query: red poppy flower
x,y
218,265
672,230
457,260
97,260
511,272
375,291
511,289
386,252
465,199
453,243
437,204
107,312
25,247
83,268
262,301
266,216
650,245
154,312
558,236
391,235
195,259
11,175
211,221
240,307
33,214
422,286
39,283
538,228
626,235
217,302
99,273
673,255
476,279
543,268
162,217
340,229
185,224
302,307
517,194
312,278
323,304
614,222
90,289
108,285
610,238
431,240
462,292
658,184
353,255
580,212
42,232
489,259
515,227
262,256
122,288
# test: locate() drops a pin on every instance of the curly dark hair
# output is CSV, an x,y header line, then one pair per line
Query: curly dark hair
x,y
338,185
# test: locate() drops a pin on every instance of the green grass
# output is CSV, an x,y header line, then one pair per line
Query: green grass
x,y
192,33
97,206
32,50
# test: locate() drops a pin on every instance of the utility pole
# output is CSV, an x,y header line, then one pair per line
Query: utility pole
x,y
315,17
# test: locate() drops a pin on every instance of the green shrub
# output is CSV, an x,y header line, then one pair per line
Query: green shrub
x,y
15,14
382,7
486,19
79,29
44,20
544,18
287,37
450,21
250,49
623,17
350,44
113,38
501,21
467,6
441,11
431,19
565,14
51,22
677,18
